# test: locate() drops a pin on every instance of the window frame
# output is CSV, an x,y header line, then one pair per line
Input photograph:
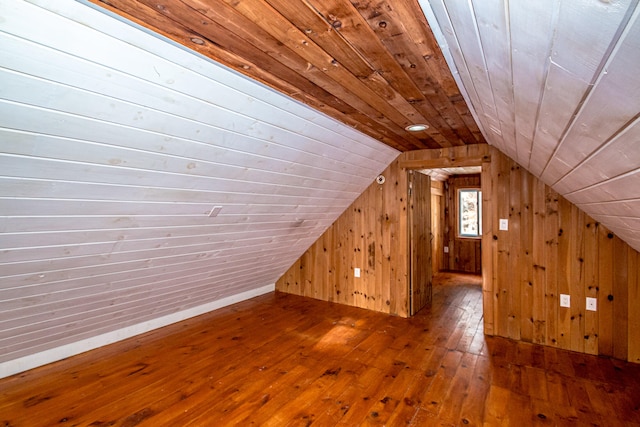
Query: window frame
x,y
459,192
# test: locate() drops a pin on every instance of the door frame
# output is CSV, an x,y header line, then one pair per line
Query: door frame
x,y
469,155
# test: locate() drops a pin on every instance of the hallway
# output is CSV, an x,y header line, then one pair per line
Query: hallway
x,y
287,360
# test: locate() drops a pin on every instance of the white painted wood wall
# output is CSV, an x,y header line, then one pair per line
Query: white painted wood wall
x,y
555,85
115,145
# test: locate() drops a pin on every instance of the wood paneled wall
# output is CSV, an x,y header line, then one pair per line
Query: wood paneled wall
x,y
371,235
420,267
464,253
437,225
554,248
551,247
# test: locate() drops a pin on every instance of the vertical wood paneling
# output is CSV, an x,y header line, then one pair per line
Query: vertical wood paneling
x,y
564,272
591,264
371,235
375,223
538,265
420,269
501,193
633,297
489,250
621,267
437,221
554,248
549,264
566,252
516,255
605,291
577,279
527,216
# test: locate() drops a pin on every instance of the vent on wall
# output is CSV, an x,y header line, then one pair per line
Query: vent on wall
x,y
215,211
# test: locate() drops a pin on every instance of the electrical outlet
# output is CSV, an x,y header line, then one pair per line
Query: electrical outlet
x,y
565,300
504,224
356,272
446,249
592,304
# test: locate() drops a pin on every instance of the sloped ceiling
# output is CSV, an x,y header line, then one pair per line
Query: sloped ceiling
x,y
551,83
138,180
117,146
373,65
555,85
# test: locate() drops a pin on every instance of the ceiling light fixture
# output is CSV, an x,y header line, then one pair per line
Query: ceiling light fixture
x,y
417,128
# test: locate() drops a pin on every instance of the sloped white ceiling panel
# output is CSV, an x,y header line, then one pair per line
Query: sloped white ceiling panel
x,y
116,145
554,84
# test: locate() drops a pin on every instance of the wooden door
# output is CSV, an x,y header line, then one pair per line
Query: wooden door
x,y
420,269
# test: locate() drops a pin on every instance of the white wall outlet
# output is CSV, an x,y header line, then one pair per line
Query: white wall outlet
x,y
504,224
446,249
592,304
356,272
565,300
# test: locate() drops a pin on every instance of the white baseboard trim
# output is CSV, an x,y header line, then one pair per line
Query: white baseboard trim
x,y
31,361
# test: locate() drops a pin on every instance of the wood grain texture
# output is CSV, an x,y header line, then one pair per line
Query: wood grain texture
x,y
464,253
437,226
111,157
420,245
560,250
371,235
551,248
375,67
313,362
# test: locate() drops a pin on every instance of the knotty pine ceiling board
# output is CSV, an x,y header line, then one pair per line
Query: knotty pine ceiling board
x,y
372,65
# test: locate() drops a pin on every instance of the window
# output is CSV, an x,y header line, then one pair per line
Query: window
x,y
470,213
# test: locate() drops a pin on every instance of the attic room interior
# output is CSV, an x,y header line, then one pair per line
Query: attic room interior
x,y
250,212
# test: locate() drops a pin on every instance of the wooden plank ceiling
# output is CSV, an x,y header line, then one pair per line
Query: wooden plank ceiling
x,y
555,85
141,184
372,65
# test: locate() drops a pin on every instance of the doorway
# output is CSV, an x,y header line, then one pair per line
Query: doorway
x,y
439,239
462,232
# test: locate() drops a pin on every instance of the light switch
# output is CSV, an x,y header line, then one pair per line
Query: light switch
x,y
356,272
504,224
592,304
565,300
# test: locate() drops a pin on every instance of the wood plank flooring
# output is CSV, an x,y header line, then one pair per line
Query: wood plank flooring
x,y
282,360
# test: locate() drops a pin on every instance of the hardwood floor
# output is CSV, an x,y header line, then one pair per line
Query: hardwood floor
x,y
285,360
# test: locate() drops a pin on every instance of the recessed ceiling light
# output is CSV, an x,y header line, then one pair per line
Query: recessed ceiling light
x,y
417,128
